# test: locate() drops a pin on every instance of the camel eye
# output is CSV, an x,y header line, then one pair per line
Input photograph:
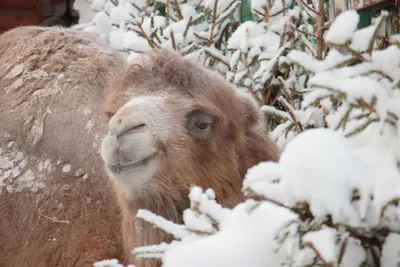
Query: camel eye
x,y
200,125
109,114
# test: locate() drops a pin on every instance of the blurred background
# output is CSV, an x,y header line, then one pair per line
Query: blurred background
x,y
65,13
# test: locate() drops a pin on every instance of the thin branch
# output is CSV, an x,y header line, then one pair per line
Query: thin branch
x,y
145,35
173,39
187,27
327,25
178,10
213,23
167,16
309,8
301,31
283,102
137,7
320,29
284,7
54,219
266,14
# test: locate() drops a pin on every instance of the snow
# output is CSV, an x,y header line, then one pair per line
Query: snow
x,y
205,203
324,242
278,6
243,235
17,70
15,176
98,5
355,254
188,11
395,38
318,167
252,34
177,231
195,222
89,125
110,263
387,61
391,248
221,7
360,39
86,13
102,25
118,15
275,111
258,4
333,59
127,27
66,168
326,186
135,43
342,28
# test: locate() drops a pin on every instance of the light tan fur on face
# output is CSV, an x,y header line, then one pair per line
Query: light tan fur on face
x,y
130,147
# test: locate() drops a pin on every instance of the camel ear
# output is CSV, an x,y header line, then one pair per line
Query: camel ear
x,y
251,112
259,146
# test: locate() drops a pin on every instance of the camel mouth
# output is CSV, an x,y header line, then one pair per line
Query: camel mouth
x,y
140,163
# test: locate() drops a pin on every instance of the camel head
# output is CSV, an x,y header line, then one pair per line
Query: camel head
x,y
174,124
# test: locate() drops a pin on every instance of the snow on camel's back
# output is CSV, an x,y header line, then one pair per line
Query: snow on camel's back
x,y
160,126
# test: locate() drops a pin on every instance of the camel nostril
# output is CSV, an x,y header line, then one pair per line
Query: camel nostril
x,y
130,130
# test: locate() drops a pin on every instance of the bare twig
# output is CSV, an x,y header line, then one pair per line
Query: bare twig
x,y
173,39
308,7
266,14
137,7
301,31
284,103
284,7
327,25
145,35
178,10
320,29
167,12
187,27
54,219
214,18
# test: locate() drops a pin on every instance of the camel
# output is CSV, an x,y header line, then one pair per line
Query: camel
x,y
174,124
57,207
87,140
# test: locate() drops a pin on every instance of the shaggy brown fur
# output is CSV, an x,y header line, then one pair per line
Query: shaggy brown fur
x,y
239,141
52,83
51,90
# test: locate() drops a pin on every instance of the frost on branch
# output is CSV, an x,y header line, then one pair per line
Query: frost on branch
x,y
323,204
333,199
347,203
259,63
257,47
342,28
354,91
193,28
202,219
